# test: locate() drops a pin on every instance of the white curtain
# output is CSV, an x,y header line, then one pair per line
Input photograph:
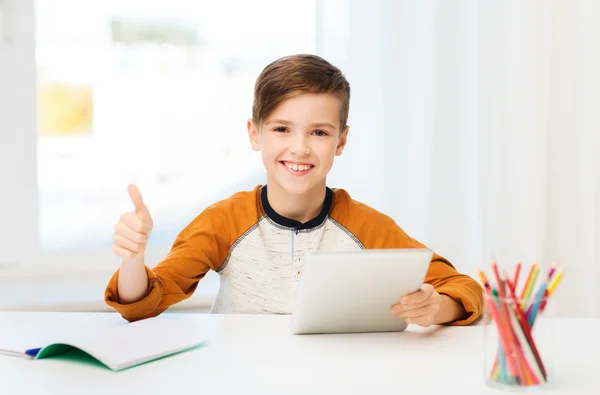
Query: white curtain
x,y
476,125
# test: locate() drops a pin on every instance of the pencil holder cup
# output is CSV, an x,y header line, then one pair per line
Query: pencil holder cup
x,y
518,343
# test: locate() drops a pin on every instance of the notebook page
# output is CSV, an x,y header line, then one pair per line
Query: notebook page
x,y
129,344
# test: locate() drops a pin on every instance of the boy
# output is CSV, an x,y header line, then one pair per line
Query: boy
x,y
255,239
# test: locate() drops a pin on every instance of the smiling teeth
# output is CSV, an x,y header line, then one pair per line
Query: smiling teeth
x,y
296,167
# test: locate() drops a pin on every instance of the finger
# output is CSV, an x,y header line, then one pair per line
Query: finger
x,y
136,199
123,252
414,298
418,312
418,296
124,230
400,308
135,223
121,241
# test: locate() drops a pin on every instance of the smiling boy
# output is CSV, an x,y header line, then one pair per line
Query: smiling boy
x,y
255,239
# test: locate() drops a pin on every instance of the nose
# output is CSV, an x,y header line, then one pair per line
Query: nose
x,y
300,145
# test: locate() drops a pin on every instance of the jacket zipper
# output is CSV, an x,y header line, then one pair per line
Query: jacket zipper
x,y
294,270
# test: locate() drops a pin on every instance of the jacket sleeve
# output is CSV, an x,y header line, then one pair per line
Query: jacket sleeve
x,y
203,245
448,281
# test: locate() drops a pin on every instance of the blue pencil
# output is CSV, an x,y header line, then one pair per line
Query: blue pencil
x,y
531,315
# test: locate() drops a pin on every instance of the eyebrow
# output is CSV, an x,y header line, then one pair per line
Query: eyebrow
x,y
315,125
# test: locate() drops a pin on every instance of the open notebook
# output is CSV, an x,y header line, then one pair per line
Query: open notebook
x,y
124,345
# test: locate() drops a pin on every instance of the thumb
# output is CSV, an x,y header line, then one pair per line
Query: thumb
x,y
418,296
136,199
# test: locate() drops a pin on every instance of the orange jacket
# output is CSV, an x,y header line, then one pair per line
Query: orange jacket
x,y
257,254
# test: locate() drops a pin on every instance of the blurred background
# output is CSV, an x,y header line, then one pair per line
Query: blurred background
x,y
475,125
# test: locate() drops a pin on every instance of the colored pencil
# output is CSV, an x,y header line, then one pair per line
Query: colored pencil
x,y
535,306
551,271
541,295
504,321
511,336
503,337
550,289
554,283
517,272
527,332
532,374
506,345
528,280
514,318
532,371
529,286
499,367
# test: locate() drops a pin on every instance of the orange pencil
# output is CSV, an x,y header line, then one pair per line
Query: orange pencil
x,y
483,278
529,278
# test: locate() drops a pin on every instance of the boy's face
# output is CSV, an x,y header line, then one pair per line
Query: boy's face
x,y
299,141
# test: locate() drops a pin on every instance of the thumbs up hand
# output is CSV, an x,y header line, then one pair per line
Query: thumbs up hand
x,y
133,229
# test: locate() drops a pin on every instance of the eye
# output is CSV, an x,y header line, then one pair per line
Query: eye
x,y
321,133
281,129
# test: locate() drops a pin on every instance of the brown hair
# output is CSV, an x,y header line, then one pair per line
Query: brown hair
x,y
293,75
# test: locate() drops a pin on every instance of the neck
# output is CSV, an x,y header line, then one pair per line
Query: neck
x,y
301,208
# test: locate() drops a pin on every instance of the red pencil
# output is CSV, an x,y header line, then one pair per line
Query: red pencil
x,y
503,334
500,282
517,272
526,329
512,336
520,340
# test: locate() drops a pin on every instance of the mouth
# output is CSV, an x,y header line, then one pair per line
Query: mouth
x,y
297,168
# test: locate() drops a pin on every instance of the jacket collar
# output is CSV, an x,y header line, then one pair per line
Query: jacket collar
x,y
291,223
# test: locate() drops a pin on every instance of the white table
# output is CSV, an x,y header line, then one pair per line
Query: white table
x,y
257,355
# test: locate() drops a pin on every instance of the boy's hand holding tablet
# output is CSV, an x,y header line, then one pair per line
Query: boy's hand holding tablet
x,y
427,307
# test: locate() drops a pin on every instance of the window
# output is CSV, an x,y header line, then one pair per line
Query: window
x,y
127,91
155,94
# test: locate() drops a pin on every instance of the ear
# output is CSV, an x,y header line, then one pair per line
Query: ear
x,y
342,141
253,135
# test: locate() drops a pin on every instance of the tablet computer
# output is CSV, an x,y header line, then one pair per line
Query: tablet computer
x,y
350,292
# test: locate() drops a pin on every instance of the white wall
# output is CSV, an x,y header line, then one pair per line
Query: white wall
x,y
358,53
